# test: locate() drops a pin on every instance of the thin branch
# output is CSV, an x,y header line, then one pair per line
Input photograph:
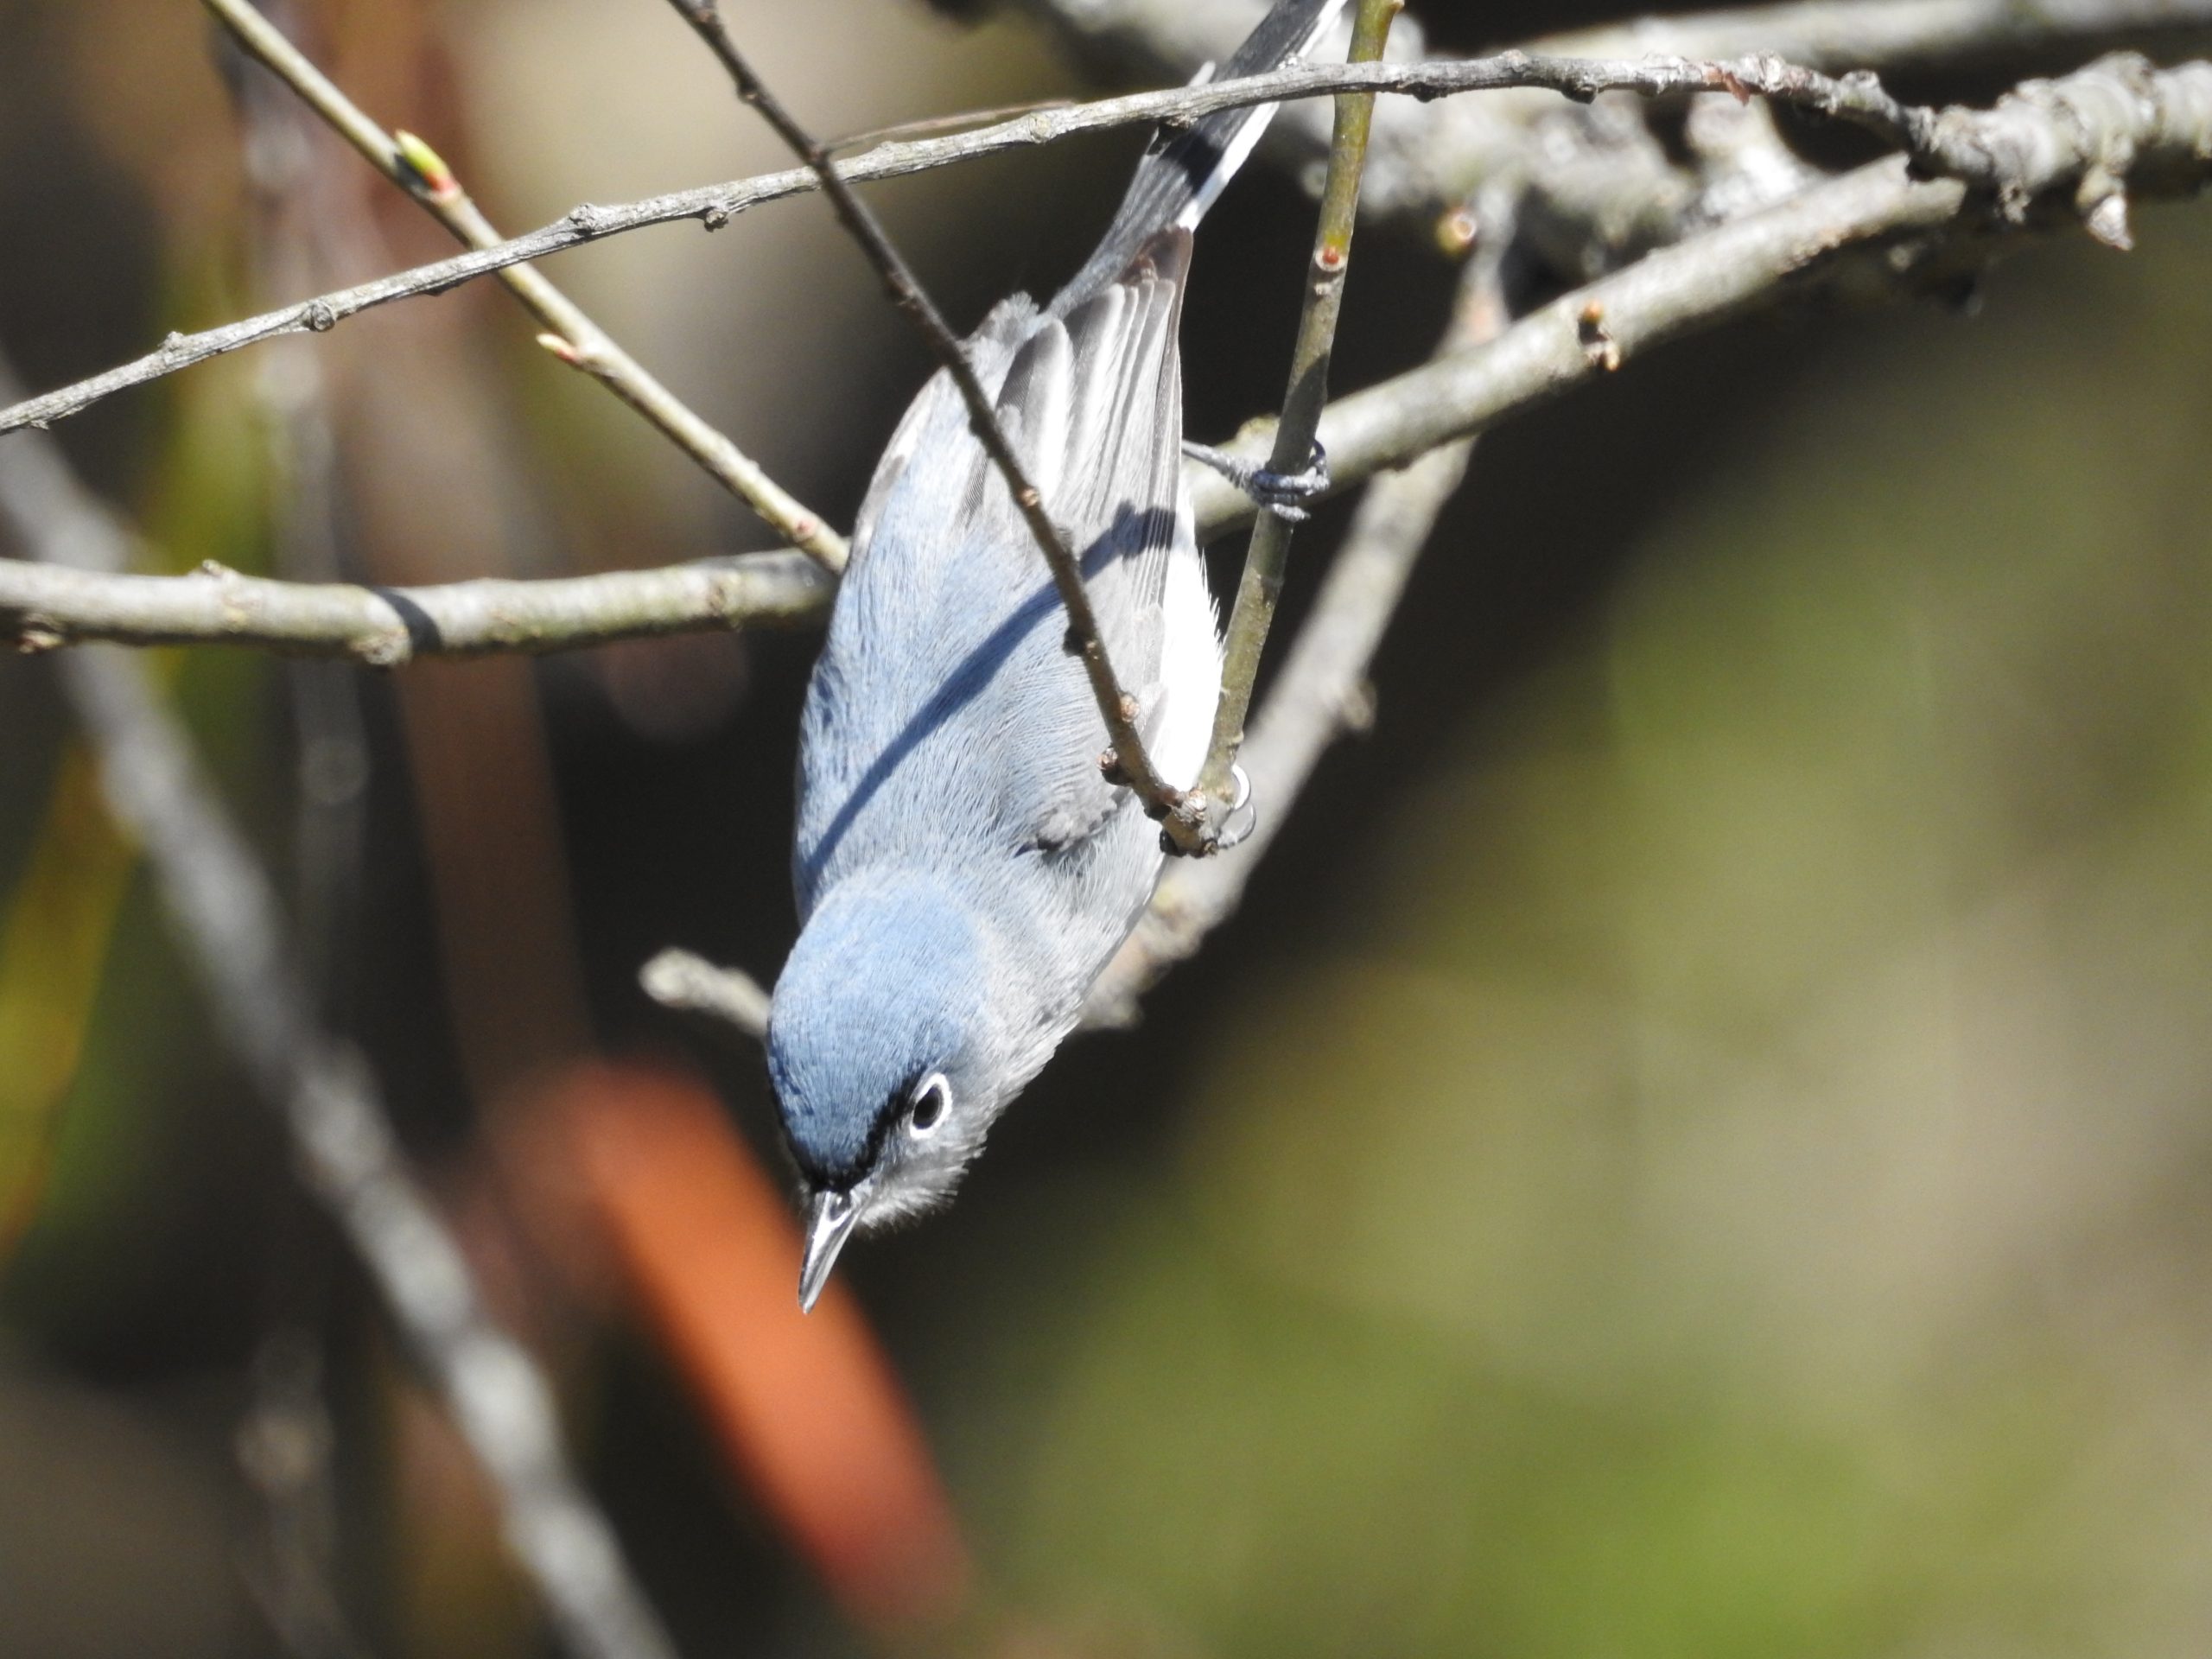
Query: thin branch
x,y
1429,161
227,920
1876,231
1321,694
1173,37
574,338
46,606
691,984
715,204
1126,759
1886,34
1268,556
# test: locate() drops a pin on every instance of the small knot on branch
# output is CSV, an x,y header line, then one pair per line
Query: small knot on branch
x,y
1170,803
1598,342
1721,78
2107,222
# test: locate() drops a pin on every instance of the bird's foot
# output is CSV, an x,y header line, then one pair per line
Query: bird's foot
x,y
1282,494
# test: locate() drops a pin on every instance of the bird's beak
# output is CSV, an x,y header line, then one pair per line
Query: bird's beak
x,y
829,1222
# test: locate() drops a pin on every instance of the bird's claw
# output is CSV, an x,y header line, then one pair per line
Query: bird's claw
x,y
1242,817
1283,494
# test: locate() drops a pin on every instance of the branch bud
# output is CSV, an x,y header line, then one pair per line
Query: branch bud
x,y
432,174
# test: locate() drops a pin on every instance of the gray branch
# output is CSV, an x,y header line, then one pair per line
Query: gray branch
x,y
1856,98
691,984
1878,230
1888,34
227,919
44,605
1173,37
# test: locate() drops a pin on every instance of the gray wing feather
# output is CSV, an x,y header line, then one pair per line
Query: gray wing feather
x,y
944,709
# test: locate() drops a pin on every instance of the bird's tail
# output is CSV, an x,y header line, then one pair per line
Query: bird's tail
x,y
1185,169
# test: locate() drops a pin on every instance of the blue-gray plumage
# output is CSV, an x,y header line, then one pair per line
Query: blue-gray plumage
x,y
965,870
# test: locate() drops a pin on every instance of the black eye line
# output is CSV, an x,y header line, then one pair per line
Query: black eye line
x,y
887,1117
888,1114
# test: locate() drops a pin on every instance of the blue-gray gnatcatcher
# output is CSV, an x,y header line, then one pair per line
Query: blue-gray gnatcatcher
x,y
965,870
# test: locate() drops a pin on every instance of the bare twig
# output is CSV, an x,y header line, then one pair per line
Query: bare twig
x,y
677,979
1126,757
226,917
574,338
1876,230
43,606
1173,37
717,203
1426,162
1321,693
1887,34
1268,556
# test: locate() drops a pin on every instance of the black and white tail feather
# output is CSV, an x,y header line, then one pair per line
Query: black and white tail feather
x,y
1184,169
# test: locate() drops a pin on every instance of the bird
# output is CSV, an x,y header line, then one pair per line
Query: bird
x,y
964,867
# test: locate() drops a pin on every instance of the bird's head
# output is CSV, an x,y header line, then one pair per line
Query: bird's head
x,y
881,1050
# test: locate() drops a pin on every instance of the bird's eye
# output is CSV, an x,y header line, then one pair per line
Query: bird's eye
x,y
930,1099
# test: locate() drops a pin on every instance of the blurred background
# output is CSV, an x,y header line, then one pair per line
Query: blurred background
x,y
1698,1143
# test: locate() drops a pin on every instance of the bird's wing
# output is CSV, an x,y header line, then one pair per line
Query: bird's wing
x,y
944,706
1098,393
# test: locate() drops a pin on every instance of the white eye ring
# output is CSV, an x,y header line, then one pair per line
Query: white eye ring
x,y
932,1100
